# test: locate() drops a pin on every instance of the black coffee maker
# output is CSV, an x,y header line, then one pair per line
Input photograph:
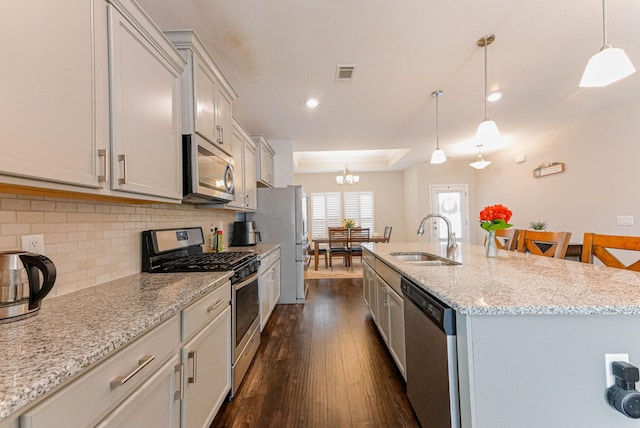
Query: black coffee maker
x,y
244,234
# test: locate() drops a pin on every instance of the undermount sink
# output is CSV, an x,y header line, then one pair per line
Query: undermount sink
x,y
423,259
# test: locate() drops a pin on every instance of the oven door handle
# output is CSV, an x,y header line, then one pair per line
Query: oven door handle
x,y
248,280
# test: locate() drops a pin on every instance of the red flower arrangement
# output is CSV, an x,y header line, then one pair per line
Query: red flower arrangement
x,y
495,217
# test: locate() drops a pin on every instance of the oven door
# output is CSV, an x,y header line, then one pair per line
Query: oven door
x,y
245,307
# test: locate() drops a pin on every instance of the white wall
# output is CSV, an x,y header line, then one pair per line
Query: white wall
x,y
283,162
601,153
417,180
388,195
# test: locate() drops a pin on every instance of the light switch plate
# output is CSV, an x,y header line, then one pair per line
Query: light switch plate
x,y
624,220
608,360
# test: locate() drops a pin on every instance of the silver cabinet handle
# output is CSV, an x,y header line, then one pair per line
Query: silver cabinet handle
x,y
220,132
102,173
215,305
142,363
123,159
193,355
179,395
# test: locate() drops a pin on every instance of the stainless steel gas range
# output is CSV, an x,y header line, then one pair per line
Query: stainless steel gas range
x,y
180,250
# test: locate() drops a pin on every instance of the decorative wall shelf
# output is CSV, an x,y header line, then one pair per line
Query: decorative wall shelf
x,y
548,169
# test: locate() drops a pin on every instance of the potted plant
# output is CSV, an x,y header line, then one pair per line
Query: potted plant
x,y
348,223
538,225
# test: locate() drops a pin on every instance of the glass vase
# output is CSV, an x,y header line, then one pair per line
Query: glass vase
x,y
490,247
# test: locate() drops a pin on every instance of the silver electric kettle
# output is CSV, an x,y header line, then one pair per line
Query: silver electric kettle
x,y
21,290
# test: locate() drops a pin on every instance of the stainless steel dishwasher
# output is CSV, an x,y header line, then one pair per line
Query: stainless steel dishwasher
x,y
432,368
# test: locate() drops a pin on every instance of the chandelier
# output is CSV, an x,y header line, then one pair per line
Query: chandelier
x,y
347,177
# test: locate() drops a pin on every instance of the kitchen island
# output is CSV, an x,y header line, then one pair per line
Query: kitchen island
x,y
532,333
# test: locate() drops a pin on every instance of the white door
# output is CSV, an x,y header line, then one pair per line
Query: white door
x,y
452,201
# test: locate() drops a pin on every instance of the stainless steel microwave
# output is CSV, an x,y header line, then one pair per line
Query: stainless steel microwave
x,y
208,172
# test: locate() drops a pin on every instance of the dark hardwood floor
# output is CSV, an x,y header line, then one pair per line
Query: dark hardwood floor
x,y
321,364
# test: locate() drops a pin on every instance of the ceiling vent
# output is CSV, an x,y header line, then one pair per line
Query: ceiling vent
x,y
345,73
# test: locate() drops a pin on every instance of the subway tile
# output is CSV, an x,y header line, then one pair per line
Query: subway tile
x,y
15,229
8,204
55,217
43,206
8,216
29,217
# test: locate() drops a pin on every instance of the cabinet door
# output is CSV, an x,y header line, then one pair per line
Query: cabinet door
x,y
156,403
266,165
145,95
366,286
250,187
275,284
54,86
396,329
223,118
205,108
264,291
382,318
239,168
207,360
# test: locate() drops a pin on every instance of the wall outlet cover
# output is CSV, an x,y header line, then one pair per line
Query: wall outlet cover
x,y
624,220
33,243
608,360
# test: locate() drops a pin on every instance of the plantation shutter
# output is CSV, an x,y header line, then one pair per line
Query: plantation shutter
x,y
359,207
325,212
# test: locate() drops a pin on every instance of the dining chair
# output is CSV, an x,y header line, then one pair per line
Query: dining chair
x,y
321,252
339,245
358,235
506,239
548,244
387,233
597,246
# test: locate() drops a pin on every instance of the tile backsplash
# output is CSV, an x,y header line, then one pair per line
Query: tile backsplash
x,y
94,242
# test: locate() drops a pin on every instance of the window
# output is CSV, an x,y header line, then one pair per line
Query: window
x,y
326,211
359,206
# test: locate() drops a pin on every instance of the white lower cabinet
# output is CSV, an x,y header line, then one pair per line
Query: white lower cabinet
x,y
176,375
155,404
206,356
142,369
268,285
383,296
207,361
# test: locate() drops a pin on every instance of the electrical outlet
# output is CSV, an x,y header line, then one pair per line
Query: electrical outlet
x,y
33,243
624,220
608,360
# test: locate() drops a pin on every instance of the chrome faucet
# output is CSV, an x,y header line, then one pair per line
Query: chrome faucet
x,y
451,240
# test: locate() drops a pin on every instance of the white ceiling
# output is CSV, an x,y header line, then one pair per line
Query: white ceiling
x,y
276,54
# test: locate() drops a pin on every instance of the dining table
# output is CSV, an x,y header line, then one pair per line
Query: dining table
x,y
325,240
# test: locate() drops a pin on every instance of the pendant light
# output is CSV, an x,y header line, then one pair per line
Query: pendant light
x,y
438,155
480,163
487,130
607,66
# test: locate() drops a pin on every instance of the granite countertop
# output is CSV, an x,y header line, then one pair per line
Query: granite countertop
x,y
259,249
71,332
516,283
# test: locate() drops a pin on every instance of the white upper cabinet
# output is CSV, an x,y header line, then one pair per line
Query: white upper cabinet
x,y
54,86
91,100
244,157
207,94
145,107
265,164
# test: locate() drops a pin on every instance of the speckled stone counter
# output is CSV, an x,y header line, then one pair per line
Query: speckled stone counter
x,y
516,283
76,330
259,249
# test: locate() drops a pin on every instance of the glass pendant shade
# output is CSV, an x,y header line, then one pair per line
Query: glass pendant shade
x,y
347,177
480,163
606,67
438,156
487,132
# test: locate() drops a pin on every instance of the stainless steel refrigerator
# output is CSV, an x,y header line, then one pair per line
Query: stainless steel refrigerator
x,y
280,220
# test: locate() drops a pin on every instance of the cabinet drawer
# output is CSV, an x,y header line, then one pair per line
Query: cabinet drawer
x,y
389,275
369,259
89,397
269,259
204,310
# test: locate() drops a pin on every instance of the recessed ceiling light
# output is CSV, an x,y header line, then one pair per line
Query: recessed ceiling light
x,y
494,96
312,103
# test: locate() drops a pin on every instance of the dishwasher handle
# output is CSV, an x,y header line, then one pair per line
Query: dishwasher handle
x,y
439,313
